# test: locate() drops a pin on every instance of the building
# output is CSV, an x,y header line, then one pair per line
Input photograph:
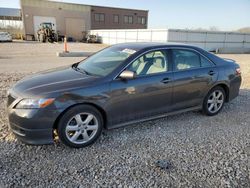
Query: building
x,y
10,14
118,18
11,21
10,18
219,41
73,20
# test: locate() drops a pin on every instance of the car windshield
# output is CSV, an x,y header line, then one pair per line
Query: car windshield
x,y
105,61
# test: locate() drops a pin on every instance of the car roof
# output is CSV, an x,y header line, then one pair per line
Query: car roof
x,y
144,45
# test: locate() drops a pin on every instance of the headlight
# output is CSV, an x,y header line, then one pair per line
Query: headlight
x,y
34,103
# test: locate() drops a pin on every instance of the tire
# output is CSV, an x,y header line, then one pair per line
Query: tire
x,y
41,38
214,101
80,126
50,40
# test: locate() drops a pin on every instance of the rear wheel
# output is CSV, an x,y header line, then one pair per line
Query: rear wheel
x,y
41,38
80,126
214,101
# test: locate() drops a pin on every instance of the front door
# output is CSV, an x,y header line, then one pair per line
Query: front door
x,y
148,94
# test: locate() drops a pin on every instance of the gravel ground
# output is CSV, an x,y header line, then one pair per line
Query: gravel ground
x,y
201,151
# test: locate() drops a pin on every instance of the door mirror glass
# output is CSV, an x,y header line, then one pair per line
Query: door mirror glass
x,y
127,75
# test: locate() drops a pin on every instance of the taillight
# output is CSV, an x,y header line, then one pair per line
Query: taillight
x,y
238,71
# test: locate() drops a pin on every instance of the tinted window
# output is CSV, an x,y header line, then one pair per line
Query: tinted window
x,y
205,62
150,63
185,59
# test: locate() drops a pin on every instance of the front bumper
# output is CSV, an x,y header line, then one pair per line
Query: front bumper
x,y
33,126
31,136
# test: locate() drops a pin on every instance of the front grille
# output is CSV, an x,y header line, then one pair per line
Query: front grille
x,y
10,100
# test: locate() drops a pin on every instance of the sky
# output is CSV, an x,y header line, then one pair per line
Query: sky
x,y
224,15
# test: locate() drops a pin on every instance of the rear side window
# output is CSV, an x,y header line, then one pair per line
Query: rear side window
x,y
186,59
205,62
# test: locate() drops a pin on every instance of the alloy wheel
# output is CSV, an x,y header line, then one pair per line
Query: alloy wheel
x,y
215,101
81,128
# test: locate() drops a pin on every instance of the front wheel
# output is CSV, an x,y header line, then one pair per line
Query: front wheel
x,y
80,126
214,101
41,38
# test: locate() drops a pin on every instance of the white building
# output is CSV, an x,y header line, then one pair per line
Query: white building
x,y
224,42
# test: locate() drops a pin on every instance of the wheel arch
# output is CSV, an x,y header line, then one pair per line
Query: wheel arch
x,y
225,87
101,110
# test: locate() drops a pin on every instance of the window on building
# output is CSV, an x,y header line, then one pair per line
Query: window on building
x,y
141,20
116,18
128,19
125,19
99,17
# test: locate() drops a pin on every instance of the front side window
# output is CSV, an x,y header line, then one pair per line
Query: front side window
x,y
185,59
105,61
150,63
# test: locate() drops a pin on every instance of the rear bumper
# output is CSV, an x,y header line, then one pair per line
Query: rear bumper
x,y
33,126
234,88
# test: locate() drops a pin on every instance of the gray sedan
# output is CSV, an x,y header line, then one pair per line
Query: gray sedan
x,y
120,85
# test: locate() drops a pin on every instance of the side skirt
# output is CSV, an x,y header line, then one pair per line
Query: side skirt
x,y
154,117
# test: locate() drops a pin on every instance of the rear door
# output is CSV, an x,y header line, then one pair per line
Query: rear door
x,y
193,75
148,94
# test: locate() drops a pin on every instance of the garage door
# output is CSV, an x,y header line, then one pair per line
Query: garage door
x,y
74,28
40,19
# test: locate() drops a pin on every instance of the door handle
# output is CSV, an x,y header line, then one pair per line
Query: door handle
x,y
211,72
166,80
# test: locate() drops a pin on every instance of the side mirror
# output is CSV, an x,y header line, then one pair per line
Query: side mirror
x,y
127,75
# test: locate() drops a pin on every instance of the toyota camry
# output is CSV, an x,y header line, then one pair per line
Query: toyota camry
x,y
119,85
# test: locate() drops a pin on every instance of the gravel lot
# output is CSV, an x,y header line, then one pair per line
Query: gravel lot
x,y
203,151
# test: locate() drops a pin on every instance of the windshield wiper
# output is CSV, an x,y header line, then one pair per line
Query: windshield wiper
x,y
84,71
76,68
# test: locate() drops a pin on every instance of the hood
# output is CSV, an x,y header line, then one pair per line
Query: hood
x,y
229,60
52,81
